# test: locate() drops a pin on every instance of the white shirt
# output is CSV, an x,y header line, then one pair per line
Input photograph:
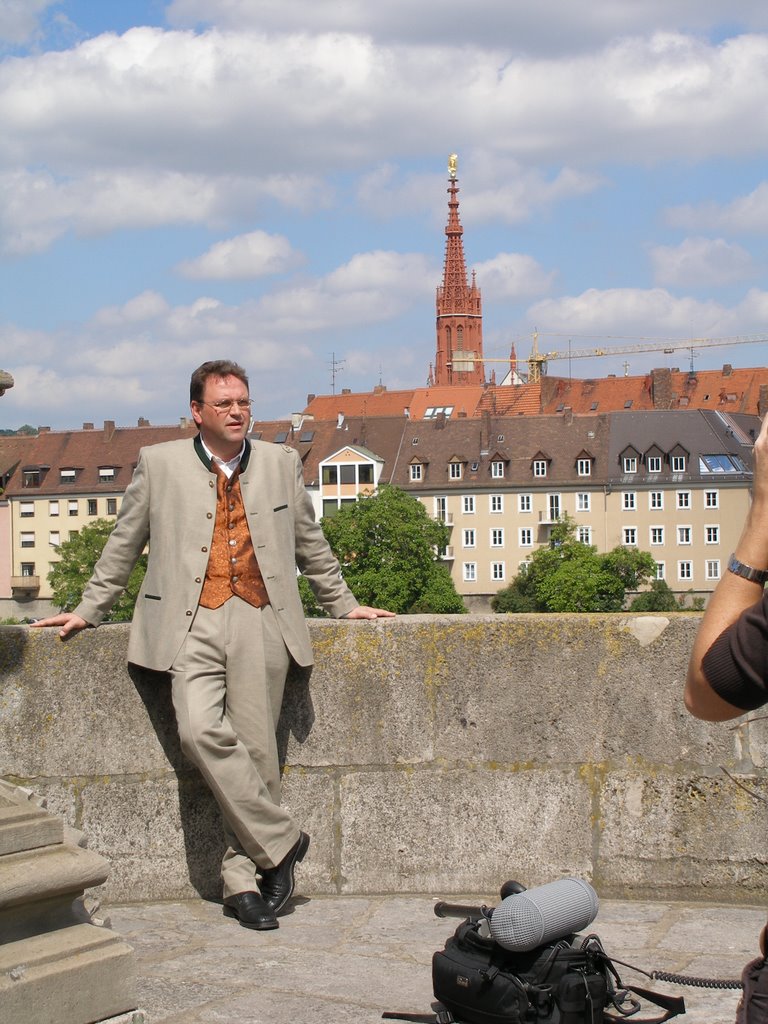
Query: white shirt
x,y
227,468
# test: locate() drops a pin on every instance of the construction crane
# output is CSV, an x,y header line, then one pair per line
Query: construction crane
x,y
537,361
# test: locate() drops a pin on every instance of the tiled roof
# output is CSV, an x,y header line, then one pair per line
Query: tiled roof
x,y
85,451
729,389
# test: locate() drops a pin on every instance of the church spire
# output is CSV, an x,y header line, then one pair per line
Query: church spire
x,y
459,307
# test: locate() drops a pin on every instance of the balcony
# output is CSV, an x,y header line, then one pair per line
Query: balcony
x,y
446,555
28,583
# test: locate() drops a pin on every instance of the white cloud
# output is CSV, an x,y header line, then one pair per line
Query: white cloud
x,y
746,214
549,26
371,288
632,312
20,19
248,256
701,263
511,275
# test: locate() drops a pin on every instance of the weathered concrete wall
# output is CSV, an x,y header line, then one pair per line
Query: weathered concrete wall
x,y
426,754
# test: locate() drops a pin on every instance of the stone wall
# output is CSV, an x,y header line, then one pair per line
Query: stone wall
x,y
426,754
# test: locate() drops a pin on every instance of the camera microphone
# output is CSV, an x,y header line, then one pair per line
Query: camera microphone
x,y
527,919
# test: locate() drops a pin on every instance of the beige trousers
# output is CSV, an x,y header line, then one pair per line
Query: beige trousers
x,y
227,686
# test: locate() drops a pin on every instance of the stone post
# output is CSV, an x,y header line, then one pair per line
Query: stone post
x,y
57,963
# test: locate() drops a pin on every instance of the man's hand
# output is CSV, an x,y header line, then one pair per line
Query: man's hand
x,y
364,612
71,624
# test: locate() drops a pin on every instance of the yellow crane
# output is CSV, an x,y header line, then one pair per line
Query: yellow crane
x,y
537,361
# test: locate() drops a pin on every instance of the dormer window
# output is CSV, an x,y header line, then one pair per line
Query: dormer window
x,y
539,467
67,476
654,463
630,463
455,470
497,469
584,467
678,463
106,474
417,471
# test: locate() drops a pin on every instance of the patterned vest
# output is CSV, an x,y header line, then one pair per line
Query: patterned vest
x,y
232,566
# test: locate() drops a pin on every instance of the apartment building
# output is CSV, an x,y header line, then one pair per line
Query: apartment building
x,y
53,485
675,483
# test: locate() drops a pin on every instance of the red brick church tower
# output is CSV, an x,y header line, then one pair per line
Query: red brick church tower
x,y
458,359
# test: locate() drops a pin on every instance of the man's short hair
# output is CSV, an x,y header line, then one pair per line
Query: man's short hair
x,y
214,368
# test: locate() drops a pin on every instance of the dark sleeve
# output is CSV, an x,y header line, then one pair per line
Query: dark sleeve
x,y
736,665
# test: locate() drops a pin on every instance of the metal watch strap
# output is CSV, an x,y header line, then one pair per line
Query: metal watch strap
x,y
747,572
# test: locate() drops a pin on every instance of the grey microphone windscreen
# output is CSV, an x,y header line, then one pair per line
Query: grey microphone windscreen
x,y
543,914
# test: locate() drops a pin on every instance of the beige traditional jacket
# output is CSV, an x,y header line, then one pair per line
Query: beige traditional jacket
x,y
171,505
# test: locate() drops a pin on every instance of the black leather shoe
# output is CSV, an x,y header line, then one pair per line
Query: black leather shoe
x,y
251,911
277,884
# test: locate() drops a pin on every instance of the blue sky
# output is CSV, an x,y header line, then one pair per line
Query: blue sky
x,y
266,181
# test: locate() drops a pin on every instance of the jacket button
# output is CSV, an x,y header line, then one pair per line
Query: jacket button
x,y
188,612
198,580
210,483
203,549
209,515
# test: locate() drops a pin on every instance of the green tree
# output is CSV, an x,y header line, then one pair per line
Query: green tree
x,y
658,599
386,544
78,556
568,576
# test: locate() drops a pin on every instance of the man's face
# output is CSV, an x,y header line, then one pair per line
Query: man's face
x,y
223,429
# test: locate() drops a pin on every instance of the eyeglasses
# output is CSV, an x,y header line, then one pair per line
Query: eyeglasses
x,y
225,405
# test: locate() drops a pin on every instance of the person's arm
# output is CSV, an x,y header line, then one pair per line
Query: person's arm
x,y
731,645
120,554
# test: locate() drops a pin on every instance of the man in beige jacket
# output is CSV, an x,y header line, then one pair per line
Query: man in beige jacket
x,y
227,521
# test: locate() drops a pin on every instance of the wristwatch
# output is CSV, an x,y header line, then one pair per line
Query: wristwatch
x,y
753,575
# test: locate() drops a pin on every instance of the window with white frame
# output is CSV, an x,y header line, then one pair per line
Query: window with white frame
x,y
678,463
416,471
524,503
629,501
685,570
584,467
469,572
654,463
467,538
526,536
553,506
27,540
26,509
497,469
54,538
53,508
661,570
584,534
496,503
455,470
684,535
630,463
629,534
711,534
713,568
539,467
497,537
67,476
72,507
441,507
468,504
106,473
657,534
655,499
497,572
583,501
711,499
27,568
683,499
111,506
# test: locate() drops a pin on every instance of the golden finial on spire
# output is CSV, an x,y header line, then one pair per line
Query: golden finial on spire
x,y
453,165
